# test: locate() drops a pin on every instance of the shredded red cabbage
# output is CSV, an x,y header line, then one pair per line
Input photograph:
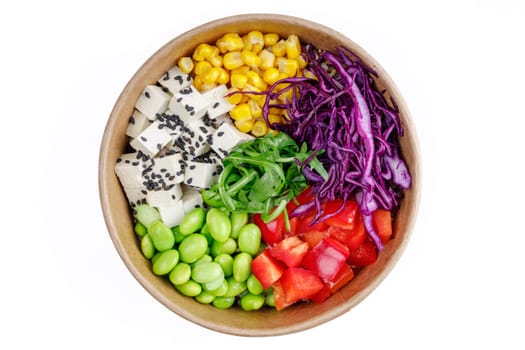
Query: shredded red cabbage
x,y
344,114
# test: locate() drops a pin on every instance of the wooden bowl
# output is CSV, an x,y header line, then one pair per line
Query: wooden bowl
x,y
118,216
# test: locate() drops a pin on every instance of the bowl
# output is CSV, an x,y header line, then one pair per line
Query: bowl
x,y
118,217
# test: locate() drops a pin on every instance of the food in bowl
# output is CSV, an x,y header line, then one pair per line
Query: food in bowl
x,y
263,171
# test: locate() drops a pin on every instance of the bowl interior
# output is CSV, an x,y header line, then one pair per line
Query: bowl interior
x,y
118,217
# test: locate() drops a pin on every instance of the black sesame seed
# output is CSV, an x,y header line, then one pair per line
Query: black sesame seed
x,y
216,104
146,94
186,91
171,178
143,138
166,77
159,146
220,133
144,192
188,78
190,180
119,160
173,197
131,120
203,129
192,167
135,163
179,79
127,161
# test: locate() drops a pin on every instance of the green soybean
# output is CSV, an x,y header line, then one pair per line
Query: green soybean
x,y
192,248
205,297
140,229
213,285
227,247
238,220
177,235
223,302
250,239
190,288
253,285
250,302
192,221
205,231
226,262
234,288
204,259
242,266
180,274
166,261
161,235
219,291
146,214
269,299
155,257
147,247
206,272
218,224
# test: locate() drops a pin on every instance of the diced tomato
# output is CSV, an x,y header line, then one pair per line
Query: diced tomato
x,y
351,238
382,222
363,255
346,217
290,250
297,284
313,237
267,269
326,258
271,232
322,295
344,276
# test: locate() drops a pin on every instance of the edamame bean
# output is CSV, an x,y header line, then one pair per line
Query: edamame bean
x,y
254,286
205,231
219,291
250,239
269,300
140,229
218,224
234,288
213,285
206,272
180,274
204,297
242,266
190,288
226,262
147,247
204,259
155,257
166,261
238,220
192,221
161,236
227,247
223,302
192,248
250,302
177,235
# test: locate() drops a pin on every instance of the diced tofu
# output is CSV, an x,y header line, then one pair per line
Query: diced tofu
x,y
191,198
152,140
136,195
164,198
172,124
173,214
170,168
188,104
201,175
227,137
218,105
195,139
137,123
153,101
129,170
175,79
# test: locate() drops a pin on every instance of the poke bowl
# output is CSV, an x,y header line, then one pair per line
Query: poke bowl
x,y
150,105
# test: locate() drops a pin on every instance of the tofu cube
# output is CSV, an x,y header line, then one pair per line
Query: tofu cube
x,y
170,168
172,124
188,104
137,123
152,140
218,105
191,198
175,79
153,101
164,198
172,214
227,137
201,175
136,196
129,169
195,139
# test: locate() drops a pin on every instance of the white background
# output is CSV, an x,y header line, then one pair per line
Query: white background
x,y
460,66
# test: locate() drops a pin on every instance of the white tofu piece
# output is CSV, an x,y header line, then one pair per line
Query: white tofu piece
x,y
188,104
137,123
175,79
153,101
195,138
173,214
164,198
170,168
172,124
191,198
218,105
136,195
129,170
201,175
152,140
227,137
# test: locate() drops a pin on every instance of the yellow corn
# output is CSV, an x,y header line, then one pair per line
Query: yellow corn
x,y
224,77
301,61
235,98
221,45
270,39
267,59
238,80
256,80
241,70
202,51
185,64
211,76
244,125
279,49
285,115
288,66
293,46
274,118
275,110
233,42
241,112
308,74
198,83
202,67
255,40
215,61
259,128
271,75
206,87
232,60
255,109
250,58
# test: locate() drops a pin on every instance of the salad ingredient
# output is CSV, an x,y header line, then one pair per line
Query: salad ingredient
x,y
242,266
250,302
161,235
238,220
250,239
294,285
363,255
192,248
219,225
326,258
267,269
291,251
165,262
192,221
272,231
382,221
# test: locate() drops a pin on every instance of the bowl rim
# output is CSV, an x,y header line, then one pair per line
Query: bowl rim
x,y
103,173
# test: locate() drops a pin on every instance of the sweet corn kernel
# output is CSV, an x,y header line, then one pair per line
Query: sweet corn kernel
x,y
288,66
250,58
259,128
224,78
198,83
255,40
245,98
206,87
275,110
250,88
235,97
286,96
241,112
232,60
244,125
233,42
271,75
308,74
255,109
185,64
293,46
273,132
238,80
274,118
211,76
215,61
221,45
270,39
279,49
202,67
202,51
267,59
301,60
256,80
241,70
284,115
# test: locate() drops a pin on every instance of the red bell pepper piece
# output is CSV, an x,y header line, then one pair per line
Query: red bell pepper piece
x,y
322,295
294,285
290,250
351,238
382,222
267,269
326,258
363,255
345,275
271,232
313,237
346,218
